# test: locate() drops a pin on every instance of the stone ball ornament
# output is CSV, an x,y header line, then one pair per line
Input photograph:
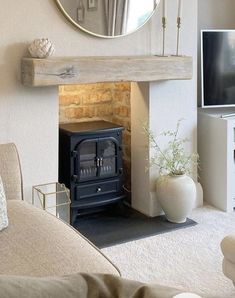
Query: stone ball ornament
x,y
41,48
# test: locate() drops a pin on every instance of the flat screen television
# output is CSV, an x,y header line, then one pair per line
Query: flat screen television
x,y
218,68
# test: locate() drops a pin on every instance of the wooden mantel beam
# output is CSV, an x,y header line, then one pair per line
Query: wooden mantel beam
x,y
78,70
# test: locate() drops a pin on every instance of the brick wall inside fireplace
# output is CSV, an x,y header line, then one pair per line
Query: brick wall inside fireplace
x,y
101,101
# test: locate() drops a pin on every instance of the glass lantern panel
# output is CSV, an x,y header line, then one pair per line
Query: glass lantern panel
x,y
54,198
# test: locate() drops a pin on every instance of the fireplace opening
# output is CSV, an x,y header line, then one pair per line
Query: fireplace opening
x,y
110,102
127,105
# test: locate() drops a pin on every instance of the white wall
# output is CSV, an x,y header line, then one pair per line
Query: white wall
x,y
168,102
216,14
29,116
174,100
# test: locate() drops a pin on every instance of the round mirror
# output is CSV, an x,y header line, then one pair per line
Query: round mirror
x,y
108,18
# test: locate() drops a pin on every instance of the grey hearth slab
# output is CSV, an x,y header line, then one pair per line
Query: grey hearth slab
x,y
121,224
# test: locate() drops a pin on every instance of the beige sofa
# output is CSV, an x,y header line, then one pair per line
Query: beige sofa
x,y
41,256
37,243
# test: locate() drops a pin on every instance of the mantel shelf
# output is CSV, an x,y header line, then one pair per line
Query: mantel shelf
x,y
78,70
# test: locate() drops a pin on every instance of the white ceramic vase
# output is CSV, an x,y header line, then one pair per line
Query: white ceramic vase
x,y
177,195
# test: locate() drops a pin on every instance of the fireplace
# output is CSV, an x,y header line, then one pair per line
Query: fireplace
x,y
147,88
90,165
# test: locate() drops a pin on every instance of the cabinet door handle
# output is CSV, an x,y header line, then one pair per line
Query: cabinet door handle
x,y
97,162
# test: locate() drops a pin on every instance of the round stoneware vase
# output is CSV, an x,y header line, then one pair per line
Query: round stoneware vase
x,y
177,195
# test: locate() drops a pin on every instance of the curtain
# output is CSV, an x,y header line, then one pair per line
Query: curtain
x,y
116,12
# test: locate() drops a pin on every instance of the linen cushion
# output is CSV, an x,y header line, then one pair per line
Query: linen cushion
x,y
3,208
82,286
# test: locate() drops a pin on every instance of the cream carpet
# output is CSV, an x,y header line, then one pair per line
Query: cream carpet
x,y
188,259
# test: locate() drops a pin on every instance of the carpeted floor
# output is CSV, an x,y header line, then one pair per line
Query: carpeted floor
x,y
189,259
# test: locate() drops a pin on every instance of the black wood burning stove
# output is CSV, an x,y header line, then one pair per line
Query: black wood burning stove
x,y
90,164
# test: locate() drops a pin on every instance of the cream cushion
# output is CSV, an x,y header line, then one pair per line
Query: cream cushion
x,y
3,208
80,286
38,244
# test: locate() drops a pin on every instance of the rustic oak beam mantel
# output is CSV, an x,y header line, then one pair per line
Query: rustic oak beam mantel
x,y
78,70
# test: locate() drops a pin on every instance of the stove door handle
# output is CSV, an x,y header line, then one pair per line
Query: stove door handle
x,y
101,162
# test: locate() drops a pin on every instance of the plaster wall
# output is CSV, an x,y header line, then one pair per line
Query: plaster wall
x,y
163,104
29,116
216,14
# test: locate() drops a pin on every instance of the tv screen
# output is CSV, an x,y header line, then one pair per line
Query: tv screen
x,y
218,68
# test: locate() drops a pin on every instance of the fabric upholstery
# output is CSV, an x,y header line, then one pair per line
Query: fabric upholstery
x,y
228,250
229,269
80,285
37,243
228,247
3,208
10,171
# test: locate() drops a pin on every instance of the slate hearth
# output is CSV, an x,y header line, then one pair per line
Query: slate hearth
x,y
120,224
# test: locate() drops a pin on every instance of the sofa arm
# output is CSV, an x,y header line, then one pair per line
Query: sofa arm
x,y
10,171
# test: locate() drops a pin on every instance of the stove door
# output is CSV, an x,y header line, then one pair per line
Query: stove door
x,y
107,154
96,158
86,165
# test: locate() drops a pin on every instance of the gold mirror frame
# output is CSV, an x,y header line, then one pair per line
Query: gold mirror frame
x,y
61,8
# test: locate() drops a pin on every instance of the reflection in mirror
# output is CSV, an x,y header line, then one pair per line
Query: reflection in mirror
x,y
108,18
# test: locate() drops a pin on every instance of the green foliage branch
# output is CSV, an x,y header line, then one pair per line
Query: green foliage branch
x,y
173,160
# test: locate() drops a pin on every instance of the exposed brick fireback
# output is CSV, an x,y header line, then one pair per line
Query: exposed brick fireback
x,y
102,101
